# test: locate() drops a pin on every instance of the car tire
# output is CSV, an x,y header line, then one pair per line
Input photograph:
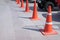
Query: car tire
x,y
47,4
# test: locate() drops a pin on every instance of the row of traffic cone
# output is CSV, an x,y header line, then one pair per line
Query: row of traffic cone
x,y
48,26
20,1
35,15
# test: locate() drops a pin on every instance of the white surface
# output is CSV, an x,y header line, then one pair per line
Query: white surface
x,y
15,25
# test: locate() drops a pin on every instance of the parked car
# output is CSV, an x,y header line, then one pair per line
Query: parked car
x,y
45,3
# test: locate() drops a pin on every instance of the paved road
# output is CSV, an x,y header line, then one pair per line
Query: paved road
x,y
16,25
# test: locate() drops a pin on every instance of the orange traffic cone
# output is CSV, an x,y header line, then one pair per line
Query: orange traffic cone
x,y
18,1
27,7
48,26
22,4
35,16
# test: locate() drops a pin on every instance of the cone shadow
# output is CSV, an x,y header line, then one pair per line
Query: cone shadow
x,y
33,29
29,18
25,17
41,30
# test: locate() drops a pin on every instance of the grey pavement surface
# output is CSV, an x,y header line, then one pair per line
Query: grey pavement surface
x,y
16,25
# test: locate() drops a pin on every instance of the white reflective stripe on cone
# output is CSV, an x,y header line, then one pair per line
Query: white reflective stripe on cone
x,y
49,14
48,22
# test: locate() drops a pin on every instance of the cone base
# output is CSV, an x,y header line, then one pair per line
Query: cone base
x,y
50,33
17,3
22,7
27,11
35,18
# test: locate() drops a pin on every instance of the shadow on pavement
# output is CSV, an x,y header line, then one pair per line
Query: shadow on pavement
x,y
25,17
55,17
13,0
33,29
38,29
